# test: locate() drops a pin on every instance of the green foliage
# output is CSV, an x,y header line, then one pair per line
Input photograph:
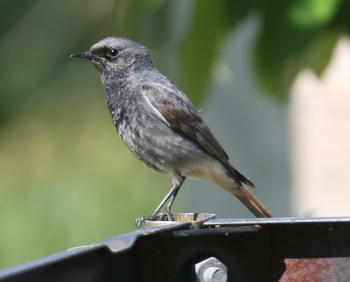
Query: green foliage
x,y
210,23
293,35
204,35
290,34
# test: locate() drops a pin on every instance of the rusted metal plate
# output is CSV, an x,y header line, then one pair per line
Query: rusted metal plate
x,y
317,269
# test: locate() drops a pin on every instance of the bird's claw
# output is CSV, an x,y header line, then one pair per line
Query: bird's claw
x,y
138,221
165,215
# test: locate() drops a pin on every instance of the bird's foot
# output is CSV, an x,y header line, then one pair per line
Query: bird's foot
x,y
164,215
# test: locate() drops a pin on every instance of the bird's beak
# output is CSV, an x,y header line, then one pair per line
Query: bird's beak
x,y
86,55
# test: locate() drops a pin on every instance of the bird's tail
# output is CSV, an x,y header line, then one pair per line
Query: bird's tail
x,y
228,178
252,203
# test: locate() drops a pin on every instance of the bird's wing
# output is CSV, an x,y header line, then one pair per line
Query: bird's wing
x,y
179,113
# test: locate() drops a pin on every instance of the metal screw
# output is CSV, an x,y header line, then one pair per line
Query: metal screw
x,y
211,270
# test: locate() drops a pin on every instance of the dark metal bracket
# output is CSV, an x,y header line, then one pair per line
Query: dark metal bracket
x,y
276,249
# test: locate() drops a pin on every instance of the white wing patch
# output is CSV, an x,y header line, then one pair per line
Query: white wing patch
x,y
155,110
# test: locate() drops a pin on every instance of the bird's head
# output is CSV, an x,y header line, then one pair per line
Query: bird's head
x,y
115,55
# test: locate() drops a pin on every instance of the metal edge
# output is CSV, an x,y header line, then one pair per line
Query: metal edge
x,y
125,241
274,220
50,259
114,244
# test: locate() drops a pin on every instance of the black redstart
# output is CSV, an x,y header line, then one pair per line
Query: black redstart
x,y
160,126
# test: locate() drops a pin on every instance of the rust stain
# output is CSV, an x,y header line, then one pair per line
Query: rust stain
x,y
317,269
183,217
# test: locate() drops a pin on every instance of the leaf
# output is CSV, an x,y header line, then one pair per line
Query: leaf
x,y
200,48
287,44
209,27
319,52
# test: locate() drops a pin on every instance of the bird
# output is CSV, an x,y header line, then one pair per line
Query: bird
x,y
160,125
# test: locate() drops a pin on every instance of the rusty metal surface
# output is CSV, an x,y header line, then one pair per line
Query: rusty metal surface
x,y
304,247
317,269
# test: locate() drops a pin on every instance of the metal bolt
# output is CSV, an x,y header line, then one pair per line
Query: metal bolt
x,y
211,270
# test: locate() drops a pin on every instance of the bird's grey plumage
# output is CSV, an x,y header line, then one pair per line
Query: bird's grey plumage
x,y
157,121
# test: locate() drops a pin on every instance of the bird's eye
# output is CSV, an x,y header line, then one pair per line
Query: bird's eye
x,y
113,52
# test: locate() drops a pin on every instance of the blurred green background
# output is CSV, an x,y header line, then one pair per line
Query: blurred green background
x,y
66,179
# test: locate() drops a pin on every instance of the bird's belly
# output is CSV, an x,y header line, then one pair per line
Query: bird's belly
x,y
211,170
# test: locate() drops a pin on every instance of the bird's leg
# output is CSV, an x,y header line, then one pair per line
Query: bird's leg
x,y
178,179
166,198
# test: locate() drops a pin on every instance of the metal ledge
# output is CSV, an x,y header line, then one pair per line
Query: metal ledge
x,y
252,250
274,220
